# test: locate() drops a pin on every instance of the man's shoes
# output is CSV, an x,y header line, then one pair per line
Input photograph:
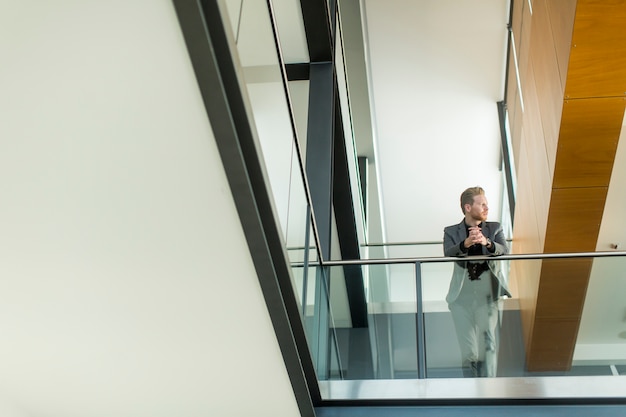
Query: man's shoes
x,y
475,370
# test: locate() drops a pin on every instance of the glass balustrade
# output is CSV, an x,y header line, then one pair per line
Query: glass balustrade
x,y
275,125
406,298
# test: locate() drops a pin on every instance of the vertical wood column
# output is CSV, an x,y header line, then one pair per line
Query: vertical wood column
x,y
573,90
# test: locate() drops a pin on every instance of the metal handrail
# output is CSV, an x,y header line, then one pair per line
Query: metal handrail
x,y
423,243
432,242
417,261
511,257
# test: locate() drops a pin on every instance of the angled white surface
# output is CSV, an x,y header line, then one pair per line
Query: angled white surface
x,y
126,285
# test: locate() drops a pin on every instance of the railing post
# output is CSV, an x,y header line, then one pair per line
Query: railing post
x,y
305,261
419,323
321,323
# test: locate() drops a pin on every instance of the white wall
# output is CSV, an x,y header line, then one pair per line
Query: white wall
x,y
126,287
437,71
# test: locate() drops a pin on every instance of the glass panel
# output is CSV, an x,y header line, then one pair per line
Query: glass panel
x,y
495,343
349,139
305,289
322,332
297,221
415,250
385,349
301,257
601,342
600,347
399,315
299,97
353,344
308,294
291,32
467,324
271,110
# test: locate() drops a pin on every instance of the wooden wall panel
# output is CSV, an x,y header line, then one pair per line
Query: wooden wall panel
x,y
563,288
516,131
542,48
525,42
553,345
511,89
574,219
540,167
574,49
590,130
528,287
598,54
532,121
561,14
526,231
514,110
526,240
516,22
546,72
534,181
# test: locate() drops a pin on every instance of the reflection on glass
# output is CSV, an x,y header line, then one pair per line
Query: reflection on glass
x,y
352,342
356,196
601,338
272,117
394,319
320,327
305,289
304,269
386,348
403,250
469,328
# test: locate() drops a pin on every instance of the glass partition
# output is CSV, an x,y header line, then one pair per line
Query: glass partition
x,y
350,142
386,347
320,324
601,341
471,329
479,334
274,122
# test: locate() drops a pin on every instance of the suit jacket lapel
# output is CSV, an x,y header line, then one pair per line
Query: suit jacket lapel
x,y
486,231
460,231
461,234
487,234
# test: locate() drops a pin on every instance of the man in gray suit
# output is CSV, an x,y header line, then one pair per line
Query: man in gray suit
x,y
476,287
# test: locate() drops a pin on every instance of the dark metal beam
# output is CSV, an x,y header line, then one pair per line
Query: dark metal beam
x,y
297,72
319,150
317,27
363,178
327,167
343,204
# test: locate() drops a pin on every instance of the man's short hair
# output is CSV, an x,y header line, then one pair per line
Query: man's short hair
x,y
467,196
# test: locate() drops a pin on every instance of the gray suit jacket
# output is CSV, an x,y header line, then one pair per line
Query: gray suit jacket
x,y
454,235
